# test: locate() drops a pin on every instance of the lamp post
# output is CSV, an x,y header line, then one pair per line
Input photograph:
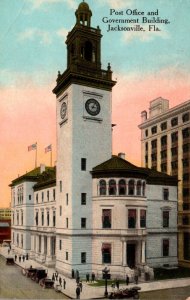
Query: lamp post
x,y
105,271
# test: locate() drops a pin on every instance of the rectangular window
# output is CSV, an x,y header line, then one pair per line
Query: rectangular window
x,y
83,222
54,194
186,132
106,218
165,219
146,132
146,146
163,126
154,144
174,137
60,244
42,217
83,164
132,218
67,222
60,210
29,197
67,255
48,196
154,129
83,257
185,148
47,218
174,121
186,247
54,218
60,186
67,199
42,196
36,218
142,218
106,253
83,198
165,247
36,198
185,117
164,140
163,168
166,194
174,151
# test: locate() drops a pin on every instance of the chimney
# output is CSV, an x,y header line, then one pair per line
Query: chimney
x,y
121,155
42,168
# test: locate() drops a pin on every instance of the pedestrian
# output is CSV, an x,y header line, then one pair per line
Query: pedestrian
x,y
64,284
78,292
113,286
26,256
77,280
23,258
53,277
136,279
87,277
127,280
15,257
117,283
80,285
56,276
92,277
8,250
19,258
60,281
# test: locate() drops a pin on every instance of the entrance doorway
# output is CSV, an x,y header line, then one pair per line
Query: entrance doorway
x,y
131,251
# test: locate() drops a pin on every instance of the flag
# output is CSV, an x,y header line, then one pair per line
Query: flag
x,y
48,148
32,147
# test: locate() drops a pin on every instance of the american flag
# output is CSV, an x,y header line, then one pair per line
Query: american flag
x,y
32,147
48,148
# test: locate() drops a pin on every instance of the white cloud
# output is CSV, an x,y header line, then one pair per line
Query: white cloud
x,y
38,4
117,4
33,33
146,35
62,32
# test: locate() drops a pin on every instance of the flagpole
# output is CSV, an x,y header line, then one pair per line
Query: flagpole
x,y
36,157
51,157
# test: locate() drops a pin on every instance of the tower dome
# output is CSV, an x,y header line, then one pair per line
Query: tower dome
x,y
83,14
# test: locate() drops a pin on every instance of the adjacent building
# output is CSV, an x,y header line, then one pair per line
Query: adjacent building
x,y
94,209
165,146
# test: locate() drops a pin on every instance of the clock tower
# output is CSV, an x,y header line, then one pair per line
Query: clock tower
x,y
84,140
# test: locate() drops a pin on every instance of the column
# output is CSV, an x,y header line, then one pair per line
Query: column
x,y
49,245
124,246
143,252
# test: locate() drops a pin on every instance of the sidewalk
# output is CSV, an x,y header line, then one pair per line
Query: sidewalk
x,y
89,292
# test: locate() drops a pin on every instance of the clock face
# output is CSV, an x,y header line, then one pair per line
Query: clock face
x,y
63,110
92,107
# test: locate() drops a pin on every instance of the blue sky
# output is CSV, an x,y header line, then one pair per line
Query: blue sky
x,y
146,65
33,34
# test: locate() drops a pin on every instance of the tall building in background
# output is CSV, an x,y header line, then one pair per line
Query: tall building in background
x,y
165,146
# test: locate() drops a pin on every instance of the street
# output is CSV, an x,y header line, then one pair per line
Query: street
x,y
14,285
170,294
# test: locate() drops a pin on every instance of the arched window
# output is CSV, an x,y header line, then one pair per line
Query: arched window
x,y
143,188
131,187
102,187
122,187
138,188
112,187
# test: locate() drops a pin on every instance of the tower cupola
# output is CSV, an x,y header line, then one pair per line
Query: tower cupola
x,y
83,14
